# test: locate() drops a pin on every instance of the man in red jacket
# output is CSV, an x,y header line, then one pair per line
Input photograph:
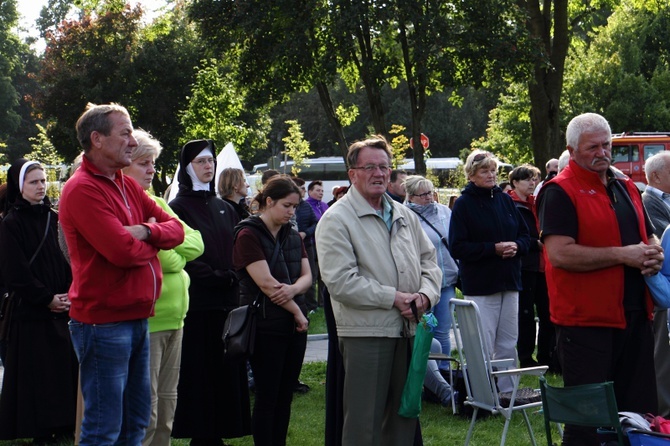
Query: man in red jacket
x,y
113,232
597,235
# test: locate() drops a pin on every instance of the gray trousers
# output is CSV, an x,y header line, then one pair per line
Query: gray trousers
x,y
375,374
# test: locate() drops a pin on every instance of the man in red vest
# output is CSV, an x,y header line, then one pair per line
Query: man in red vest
x,y
599,244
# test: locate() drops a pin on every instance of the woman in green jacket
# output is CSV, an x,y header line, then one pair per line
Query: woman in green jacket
x,y
166,326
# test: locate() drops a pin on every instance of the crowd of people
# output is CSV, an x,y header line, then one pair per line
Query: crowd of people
x,y
125,296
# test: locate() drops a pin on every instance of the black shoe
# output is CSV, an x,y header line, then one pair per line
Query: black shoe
x,y
301,387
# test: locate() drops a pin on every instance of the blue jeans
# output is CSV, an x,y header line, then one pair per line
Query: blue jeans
x,y
115,383
443,329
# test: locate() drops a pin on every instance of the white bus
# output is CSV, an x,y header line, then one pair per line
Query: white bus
x,y
331,170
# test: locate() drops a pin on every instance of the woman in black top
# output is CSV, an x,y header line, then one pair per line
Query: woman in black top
x,y
272,263
39,391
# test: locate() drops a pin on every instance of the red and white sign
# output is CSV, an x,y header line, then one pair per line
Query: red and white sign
x,y
425,142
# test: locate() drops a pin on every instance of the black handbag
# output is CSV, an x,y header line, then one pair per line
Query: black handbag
x,y
239,330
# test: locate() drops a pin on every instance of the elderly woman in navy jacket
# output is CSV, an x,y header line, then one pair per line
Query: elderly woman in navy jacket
x,y
488,235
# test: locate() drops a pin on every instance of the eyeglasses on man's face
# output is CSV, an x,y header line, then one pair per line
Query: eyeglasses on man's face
x,y
369,168
203,161
424,195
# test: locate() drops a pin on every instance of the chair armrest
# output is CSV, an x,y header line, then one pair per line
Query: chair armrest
x,y
503,363
536,371
443,357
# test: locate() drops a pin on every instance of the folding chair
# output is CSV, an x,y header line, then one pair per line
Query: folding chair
x,y
585,405
480,370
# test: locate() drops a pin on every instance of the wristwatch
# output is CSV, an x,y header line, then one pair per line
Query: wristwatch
x,y
148,232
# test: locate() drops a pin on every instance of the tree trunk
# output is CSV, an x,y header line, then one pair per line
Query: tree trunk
x,y
333,120
546,88
369,72
416,87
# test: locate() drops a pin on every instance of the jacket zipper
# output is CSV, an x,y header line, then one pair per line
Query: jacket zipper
x,y
155,286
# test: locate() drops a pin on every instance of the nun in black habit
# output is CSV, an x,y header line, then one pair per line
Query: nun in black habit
x,y
39,390
212,396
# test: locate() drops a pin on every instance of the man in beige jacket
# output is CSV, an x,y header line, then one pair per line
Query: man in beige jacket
x,y
375,260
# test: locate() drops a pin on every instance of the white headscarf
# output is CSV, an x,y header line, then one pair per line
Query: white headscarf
x,y
22,173
197,184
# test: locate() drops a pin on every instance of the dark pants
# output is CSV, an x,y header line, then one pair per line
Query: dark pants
x,y
311,299
624,356
276,364
662,360
534,298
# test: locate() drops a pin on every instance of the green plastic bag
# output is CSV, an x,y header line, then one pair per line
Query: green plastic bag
x,y
410,402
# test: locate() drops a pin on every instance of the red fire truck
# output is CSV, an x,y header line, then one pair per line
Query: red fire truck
x,y
631,150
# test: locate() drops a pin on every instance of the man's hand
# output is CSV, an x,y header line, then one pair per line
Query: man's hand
x,y
655,260
140,232
647,258
403,300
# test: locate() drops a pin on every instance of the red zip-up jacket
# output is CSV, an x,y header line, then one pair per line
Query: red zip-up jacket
x,y
115,276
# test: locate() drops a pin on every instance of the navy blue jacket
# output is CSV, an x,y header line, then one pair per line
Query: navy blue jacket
x,y
481,218
304,215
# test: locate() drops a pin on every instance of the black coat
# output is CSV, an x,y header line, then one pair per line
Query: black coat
x,y
213,396
481,218
34,286
40,381
213,281
531,261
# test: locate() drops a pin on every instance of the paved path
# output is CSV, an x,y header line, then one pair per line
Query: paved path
x,y
317,350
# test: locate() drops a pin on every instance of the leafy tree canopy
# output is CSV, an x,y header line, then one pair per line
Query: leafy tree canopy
x,y
87,60
217,110
625,73
9,64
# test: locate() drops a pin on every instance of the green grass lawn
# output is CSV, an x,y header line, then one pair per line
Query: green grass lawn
x,y
317,322
439,426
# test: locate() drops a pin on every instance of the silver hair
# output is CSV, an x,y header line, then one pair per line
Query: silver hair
x,y
586,122
656,163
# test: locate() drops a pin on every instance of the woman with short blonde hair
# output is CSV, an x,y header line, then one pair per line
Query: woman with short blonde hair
x,y
233,188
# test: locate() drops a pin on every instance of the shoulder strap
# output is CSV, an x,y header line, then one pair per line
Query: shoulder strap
x,y
44,237
275,255
442,238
